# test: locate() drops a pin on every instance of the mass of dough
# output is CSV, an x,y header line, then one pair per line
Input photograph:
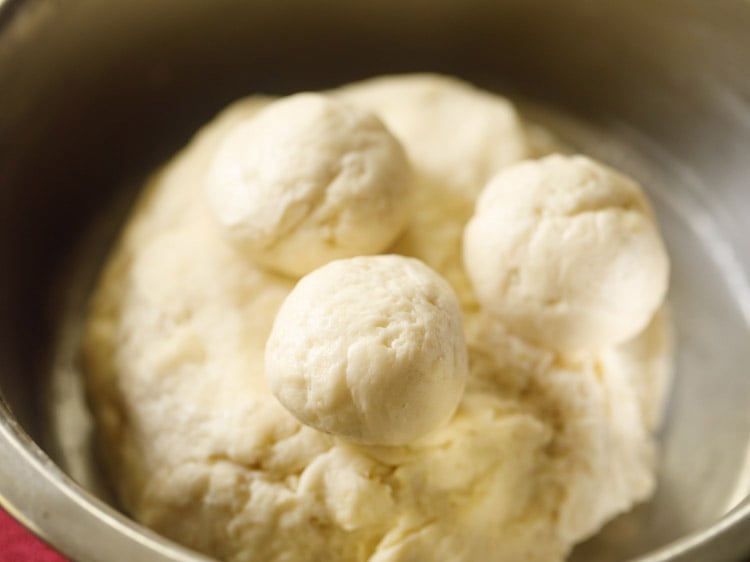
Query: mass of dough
x,y
545,444
382,369
457,137
566,253
457,134
308,180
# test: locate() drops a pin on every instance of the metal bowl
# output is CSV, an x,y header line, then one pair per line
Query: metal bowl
x,y
95,94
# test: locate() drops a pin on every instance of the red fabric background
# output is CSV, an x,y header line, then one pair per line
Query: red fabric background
x,y
19,545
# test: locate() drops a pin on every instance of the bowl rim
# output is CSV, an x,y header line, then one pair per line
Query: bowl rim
x,y
45,500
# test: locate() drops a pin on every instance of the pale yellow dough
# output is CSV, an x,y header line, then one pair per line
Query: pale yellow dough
x,y
371,348
566,253
310,179
543,449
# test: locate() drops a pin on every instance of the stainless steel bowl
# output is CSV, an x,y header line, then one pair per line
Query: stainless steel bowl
x,y
94,94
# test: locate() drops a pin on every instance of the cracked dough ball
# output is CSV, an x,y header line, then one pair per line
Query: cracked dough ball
x,y
453,131
566,253
308,180
369,348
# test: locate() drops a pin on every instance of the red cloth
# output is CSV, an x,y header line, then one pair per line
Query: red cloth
x,y
17,544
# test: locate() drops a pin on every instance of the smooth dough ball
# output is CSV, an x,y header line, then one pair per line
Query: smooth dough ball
x,y
452,130
566,253
369,348
310,179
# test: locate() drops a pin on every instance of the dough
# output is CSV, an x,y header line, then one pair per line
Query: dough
x,y
543,448
308,180
455,133
370,348
565,252
457,137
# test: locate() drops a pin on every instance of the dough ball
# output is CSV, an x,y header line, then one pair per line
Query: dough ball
x,y
308,180
369,348
566,253
453,131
